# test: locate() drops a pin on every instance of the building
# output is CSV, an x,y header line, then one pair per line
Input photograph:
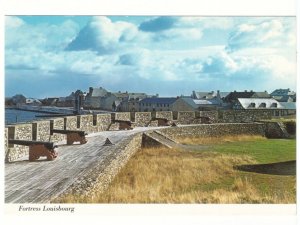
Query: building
x,y
33,101
131,103
257,103
231,100
156,104
284,95
95,98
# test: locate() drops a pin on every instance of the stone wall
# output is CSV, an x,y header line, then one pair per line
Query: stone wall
x,y
41,131
19,132
102,174
142,119
238,116
275,130
124,116
212,115
164,115
103,121
207,130
187,117
5,141
58,124
86,123
71,123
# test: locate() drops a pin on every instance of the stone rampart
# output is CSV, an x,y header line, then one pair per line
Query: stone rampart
x,y
142,119
164,115
187,117
71,123
86,123
103,121
240,116
58,124
124,116
41,131
102,174
214,130
19,132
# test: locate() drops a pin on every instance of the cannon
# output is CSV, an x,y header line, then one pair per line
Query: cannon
x,y
37,148
72,135
123,125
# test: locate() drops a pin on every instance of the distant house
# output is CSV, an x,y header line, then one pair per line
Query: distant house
x,y
131,103
284,95
257,103
156,104
232,98
209,100
33,101
50,101
196,104
95,98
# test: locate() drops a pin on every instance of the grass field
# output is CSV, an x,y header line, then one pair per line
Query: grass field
x,y
204,176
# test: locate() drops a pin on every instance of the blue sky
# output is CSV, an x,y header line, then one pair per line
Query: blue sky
x,y
48,56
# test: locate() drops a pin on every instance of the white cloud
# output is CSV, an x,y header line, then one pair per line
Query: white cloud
x,y
270,33
13,22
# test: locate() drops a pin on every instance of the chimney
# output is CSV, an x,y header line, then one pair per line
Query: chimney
x,y
91,90
245,90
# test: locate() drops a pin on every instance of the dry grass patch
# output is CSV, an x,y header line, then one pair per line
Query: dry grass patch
x,y
175,176
218,140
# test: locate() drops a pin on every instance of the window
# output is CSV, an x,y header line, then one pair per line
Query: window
x,y
262,105
274,105
252,105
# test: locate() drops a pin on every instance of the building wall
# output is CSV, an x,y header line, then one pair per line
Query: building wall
x,y
180,105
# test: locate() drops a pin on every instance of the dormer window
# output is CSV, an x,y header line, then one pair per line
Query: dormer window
x,y
252,105
274,105
262,105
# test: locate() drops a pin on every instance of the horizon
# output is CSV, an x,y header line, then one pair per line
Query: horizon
x,y
48,56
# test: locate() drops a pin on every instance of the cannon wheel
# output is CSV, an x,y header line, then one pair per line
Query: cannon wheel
x,y
50,157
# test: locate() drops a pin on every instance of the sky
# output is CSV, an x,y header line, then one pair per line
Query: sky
x,y
52,56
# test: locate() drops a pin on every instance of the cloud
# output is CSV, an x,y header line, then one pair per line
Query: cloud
x,y
103,36
49,37
158,24
13,22
270,33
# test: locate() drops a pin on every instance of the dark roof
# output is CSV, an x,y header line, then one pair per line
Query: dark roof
x,y
190,102
235,95
263,94
159,100
281,92
289,105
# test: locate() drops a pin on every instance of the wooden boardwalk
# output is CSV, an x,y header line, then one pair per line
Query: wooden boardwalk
x,y
41,181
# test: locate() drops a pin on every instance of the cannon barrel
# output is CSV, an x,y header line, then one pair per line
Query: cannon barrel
x,y
49,145
80,132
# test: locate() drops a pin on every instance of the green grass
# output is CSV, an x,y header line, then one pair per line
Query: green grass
x,y
263,151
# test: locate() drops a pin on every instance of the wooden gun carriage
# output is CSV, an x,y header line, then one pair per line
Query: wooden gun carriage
x,y
37,148
72,135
